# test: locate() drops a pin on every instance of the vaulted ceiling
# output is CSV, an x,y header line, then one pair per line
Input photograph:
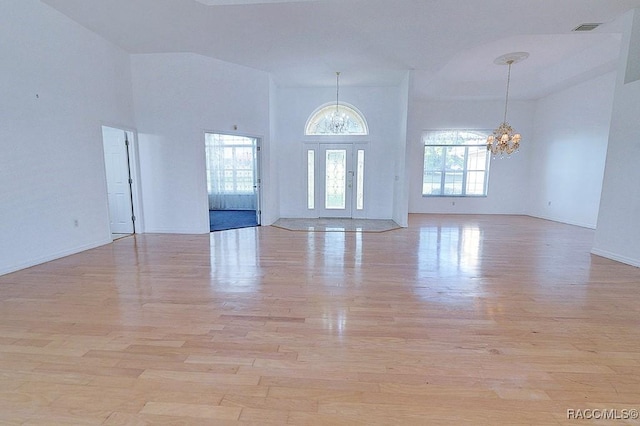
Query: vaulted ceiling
x,y
450,45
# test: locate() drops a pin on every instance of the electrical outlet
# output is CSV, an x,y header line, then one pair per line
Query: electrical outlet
x,y
75,223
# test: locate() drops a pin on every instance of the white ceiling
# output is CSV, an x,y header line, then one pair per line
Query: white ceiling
x,y
449,44
227,2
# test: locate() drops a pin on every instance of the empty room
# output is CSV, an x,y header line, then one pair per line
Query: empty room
x,y
320,212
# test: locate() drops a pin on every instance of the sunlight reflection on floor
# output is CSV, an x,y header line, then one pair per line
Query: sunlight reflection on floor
x,y
337,225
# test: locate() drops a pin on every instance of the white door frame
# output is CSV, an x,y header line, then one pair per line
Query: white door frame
x,y
257,175
351,179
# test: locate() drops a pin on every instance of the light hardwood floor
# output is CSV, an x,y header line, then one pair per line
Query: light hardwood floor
x,y
479,320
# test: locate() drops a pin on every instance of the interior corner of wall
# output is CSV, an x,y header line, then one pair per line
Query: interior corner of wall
x,y
632,69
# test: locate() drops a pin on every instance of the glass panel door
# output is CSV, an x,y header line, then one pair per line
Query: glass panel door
x,y
335,179
336,176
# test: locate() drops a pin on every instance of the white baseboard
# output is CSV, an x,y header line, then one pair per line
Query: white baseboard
x,y
54,256
616,257
567,222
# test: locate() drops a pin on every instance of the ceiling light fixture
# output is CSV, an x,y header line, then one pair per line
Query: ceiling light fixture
x,y
504,140
338,122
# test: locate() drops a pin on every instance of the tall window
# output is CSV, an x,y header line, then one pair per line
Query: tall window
x,y
231,165
456,163
311,179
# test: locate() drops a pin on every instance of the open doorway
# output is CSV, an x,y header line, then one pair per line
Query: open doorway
x,y
117,159
233,181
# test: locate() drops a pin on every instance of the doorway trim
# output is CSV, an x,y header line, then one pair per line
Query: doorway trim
x,y
318,147
258,171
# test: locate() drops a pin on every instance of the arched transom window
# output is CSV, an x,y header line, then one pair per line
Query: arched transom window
x,y
332,119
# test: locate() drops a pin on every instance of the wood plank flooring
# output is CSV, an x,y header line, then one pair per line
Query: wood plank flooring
x,y
479,320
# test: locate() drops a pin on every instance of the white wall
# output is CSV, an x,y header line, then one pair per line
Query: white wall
x,y
401,178
177,98
508,182
568,152
59,83
618,231
379,105
270,187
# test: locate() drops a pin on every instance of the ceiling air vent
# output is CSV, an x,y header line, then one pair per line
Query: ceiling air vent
x,y
586,27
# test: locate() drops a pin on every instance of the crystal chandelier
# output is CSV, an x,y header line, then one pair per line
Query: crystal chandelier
x,y
504,140
338,122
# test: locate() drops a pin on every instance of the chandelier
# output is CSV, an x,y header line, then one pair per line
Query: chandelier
x,y
338,122
505,140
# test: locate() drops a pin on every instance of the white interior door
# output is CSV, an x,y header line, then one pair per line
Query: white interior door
x,y
336,174
118,180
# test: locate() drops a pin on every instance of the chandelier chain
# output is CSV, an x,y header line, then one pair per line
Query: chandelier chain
x,y
506,101
337,90
338,122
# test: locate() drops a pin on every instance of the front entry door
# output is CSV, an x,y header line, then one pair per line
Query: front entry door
x,y
336,180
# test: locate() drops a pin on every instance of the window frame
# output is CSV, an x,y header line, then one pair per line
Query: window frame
x,y
316,122
230,142
465,171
